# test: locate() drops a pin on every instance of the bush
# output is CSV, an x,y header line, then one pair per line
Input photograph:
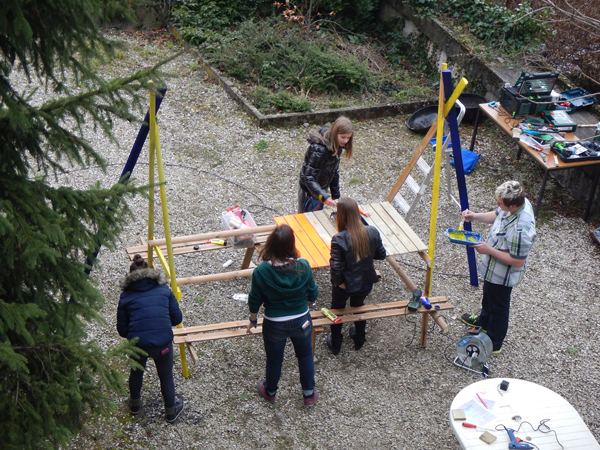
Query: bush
x,y
277,55
268,102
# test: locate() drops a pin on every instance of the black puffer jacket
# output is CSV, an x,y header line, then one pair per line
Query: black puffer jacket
x,y
345,268
320,169
147,308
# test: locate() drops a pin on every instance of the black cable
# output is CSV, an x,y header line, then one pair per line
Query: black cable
x,y
546,430
263,205
439,273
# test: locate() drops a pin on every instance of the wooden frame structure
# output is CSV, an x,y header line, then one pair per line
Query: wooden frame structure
x,y
313,233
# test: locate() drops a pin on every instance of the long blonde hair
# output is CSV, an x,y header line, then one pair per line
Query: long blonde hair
x,y
348,218
342,125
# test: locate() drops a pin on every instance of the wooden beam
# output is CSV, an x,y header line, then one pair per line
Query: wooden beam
x,y
214,235
215,277
403,275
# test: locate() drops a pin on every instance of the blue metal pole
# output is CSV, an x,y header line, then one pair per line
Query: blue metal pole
x,y
460,171
134,154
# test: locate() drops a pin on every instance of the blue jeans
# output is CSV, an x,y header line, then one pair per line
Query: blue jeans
x,y
312,204
275,335
163,359
495,309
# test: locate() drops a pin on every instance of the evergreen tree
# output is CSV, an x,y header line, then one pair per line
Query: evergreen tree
x,y
51,374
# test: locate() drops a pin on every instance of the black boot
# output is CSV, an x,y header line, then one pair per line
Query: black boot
x,y
134,405
335,349
359,341
174,411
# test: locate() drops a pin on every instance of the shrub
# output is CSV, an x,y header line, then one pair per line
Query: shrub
x,y
268,102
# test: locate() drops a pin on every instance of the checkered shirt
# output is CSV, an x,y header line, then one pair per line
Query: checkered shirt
x,y
514,234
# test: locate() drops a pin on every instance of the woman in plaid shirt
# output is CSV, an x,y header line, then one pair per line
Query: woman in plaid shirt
x,y
503,258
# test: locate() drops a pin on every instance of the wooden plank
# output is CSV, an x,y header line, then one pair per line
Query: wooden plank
x,y
216,335
215,277
329,226
215,235
304,253
405,242
381,218
318,227
408,231
314,237
390,249
305,246
188,247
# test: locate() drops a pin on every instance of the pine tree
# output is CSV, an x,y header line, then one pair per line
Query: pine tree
x,y
51,373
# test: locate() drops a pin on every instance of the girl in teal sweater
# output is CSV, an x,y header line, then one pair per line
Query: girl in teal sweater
x,y
284,285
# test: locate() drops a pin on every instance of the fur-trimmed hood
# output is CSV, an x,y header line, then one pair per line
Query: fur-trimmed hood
x,y
140,274
319,137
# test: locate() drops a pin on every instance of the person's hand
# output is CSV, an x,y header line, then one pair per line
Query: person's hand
x,y
330,202
483,248
249,327
342,286
468,215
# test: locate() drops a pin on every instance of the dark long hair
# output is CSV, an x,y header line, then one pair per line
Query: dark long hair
x,y
138,263
280,245
348,218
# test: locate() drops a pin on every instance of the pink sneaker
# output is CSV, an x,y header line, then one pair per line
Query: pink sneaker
x,y
262,391
310,401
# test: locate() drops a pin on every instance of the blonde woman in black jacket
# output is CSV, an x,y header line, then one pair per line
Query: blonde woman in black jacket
x,y
353,250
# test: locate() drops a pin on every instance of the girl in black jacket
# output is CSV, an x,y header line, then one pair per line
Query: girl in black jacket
x,y
147,311
353,250
319,173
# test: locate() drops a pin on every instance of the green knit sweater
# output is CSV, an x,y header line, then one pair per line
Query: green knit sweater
x,y
283,292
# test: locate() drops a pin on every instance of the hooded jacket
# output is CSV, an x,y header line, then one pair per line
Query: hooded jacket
x,y
147,308
319,172
345,268
282,291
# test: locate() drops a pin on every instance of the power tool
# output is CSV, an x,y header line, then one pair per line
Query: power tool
x,y
415,302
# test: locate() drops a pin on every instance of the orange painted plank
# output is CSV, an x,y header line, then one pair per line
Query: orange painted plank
x,y
304,245
321,246
299,246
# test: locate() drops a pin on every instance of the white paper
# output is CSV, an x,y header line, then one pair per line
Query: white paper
x,y
476,413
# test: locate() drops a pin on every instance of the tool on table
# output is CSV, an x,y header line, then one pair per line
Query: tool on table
x,y
555,161
331,316
216,242
516,442
477,427
544,156
415,302
426,303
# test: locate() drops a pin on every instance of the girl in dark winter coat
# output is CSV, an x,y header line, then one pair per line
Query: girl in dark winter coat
x,y
148,310
353,250
284,285
319,172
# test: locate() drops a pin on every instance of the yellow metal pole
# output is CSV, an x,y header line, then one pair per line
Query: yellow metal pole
x,y
443,110
152,145
165,214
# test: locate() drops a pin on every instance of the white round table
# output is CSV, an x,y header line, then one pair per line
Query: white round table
x,y
532,402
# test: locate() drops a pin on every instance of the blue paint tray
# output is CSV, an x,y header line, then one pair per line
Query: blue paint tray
x,y
580,102
466,238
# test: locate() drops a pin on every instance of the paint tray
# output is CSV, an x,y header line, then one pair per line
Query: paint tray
x,y
463,237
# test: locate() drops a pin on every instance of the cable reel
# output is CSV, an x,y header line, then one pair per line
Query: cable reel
x,y
473,351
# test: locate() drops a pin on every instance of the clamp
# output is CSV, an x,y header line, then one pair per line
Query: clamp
x,y
544,156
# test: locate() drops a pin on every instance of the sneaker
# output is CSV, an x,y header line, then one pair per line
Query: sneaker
x,y
310,401
134,405
262,391
495,352
174,411
470,319
330,346
358,343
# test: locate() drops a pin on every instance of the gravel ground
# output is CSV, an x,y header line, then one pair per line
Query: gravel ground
x,y
392,393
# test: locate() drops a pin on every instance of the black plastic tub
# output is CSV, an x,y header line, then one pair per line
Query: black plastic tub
x,y
471,102
422,119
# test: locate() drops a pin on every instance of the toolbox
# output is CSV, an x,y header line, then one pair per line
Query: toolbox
x,y
580,102
536,87
560,120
